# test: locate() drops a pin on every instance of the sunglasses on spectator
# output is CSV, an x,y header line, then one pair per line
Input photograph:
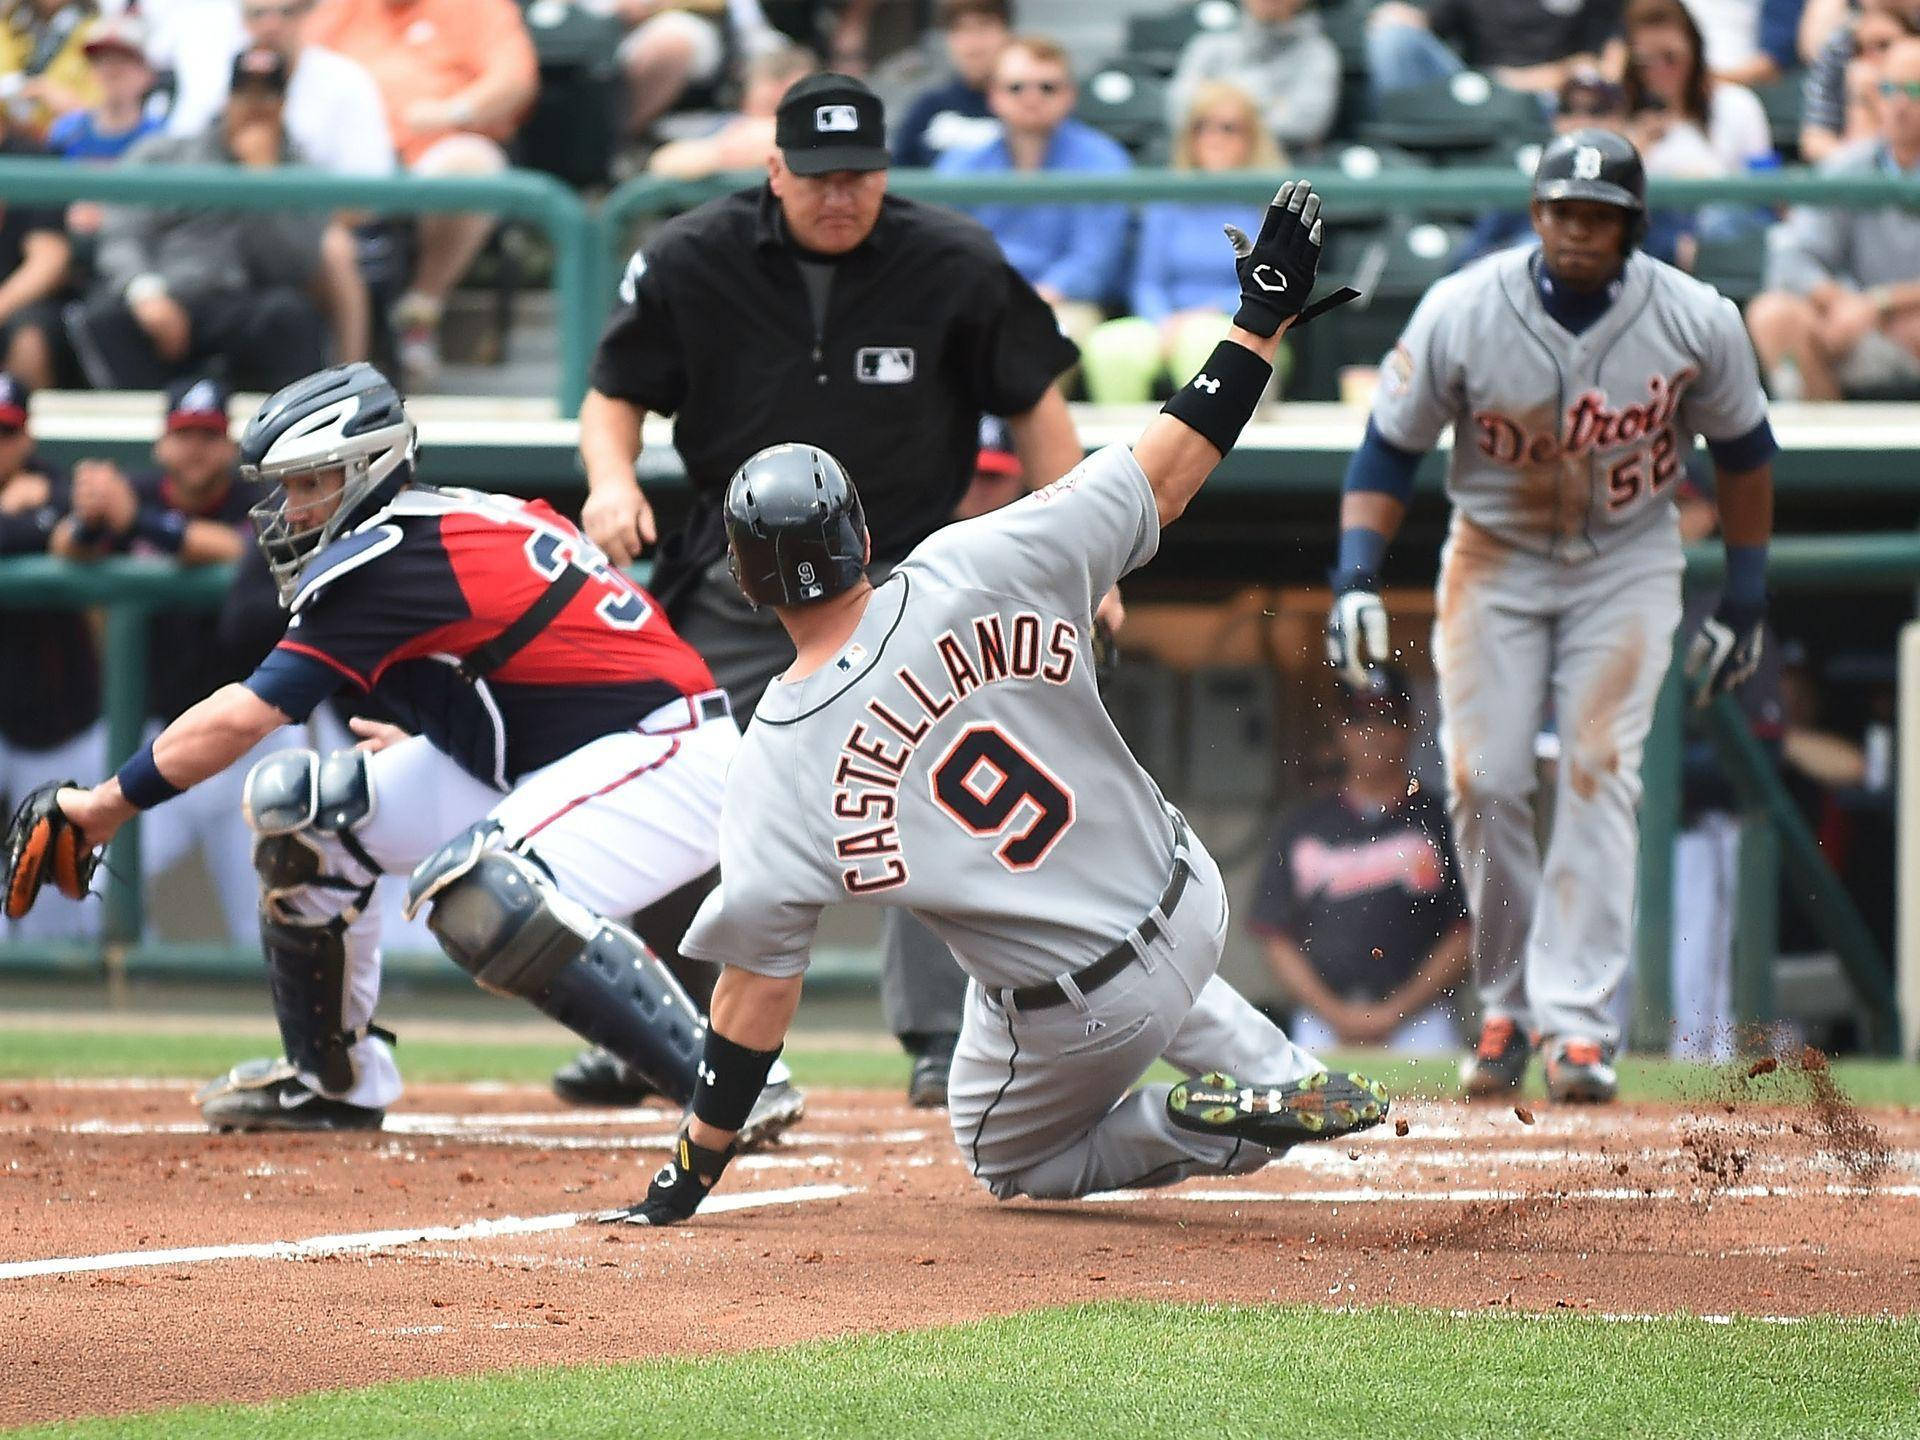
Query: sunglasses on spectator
x,y
289,11
1662,57
1044,87
1908,88
1219,127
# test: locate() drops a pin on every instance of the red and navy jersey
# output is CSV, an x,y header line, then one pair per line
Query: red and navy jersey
x,y
190,661
398,604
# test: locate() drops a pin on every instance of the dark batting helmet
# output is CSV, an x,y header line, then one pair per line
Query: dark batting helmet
x,y
795,529
1595,165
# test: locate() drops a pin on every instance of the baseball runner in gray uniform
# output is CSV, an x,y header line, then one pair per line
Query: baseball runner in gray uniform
x,y
1576,377
940,744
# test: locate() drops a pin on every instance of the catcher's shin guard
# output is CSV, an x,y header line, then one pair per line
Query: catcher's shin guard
x,y
501,918
307,973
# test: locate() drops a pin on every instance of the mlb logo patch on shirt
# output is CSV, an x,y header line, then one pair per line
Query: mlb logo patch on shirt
x,y
883,364
830,118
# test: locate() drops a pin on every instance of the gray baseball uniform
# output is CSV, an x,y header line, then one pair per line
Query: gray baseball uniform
x,y
1560,580
956,760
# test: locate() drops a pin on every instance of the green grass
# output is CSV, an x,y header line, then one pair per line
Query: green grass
x,y
78,1052
1135,1371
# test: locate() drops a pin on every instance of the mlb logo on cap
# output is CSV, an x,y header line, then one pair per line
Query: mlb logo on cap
x,y
197,404
829,123
13,402
836,117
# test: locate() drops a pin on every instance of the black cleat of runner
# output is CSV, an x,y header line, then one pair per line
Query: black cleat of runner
x,y
1320,1106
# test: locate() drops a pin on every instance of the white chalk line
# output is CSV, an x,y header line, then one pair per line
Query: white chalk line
x,y
1372,1195
319,1245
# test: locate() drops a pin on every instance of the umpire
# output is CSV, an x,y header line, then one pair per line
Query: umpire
x,y
818,308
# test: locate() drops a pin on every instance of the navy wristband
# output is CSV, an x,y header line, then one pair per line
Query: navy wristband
x,y
1361,551
161,527
142,783
1746,575
1219,401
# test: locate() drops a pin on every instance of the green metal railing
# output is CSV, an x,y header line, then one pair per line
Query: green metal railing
x,y
521,194
1774,834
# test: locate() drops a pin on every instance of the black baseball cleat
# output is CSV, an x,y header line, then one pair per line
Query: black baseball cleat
x,y
781,1106
266,1094
595,1077
1320,1106
927,1088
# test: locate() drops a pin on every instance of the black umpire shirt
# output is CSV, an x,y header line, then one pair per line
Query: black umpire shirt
x,y
919,329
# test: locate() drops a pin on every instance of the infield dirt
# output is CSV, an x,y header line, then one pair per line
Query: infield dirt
x,y
1758,1203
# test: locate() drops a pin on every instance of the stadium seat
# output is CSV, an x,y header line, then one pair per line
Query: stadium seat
x,y
1392,266
1128,102
570,133
1467,112
1358,160
1154,42
1733,266
1783,99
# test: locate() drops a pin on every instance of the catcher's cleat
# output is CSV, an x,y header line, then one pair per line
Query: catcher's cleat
x,y
781,1106
1580,1071
1498,1063
596,1077
266,1094
1320,1106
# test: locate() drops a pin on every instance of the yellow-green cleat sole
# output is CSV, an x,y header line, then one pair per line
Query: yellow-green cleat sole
x,y
1320,1106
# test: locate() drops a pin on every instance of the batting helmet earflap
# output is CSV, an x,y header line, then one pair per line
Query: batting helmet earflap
x,y
1599,165
795,529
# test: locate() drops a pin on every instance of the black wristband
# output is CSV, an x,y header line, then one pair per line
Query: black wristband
x,y
731,1079
1219,401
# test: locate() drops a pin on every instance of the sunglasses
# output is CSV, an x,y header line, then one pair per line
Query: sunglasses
x,y
1219,127
290,11
1043,87
1661,57
1908,88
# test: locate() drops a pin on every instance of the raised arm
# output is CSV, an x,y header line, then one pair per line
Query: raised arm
x,y
1181,446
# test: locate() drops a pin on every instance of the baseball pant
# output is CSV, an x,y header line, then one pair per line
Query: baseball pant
x,y
1043,1103
1551,934
922,988
208,818
54,917
1706,869
618,823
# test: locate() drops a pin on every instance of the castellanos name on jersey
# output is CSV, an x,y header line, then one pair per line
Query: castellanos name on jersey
x,y
960,762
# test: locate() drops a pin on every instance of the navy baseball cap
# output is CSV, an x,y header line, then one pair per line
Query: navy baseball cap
x,y
14,396
831,122
197,404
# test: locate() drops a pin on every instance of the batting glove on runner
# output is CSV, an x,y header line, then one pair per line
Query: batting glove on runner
x,y
1277,269
1357,634
1726,652
42,844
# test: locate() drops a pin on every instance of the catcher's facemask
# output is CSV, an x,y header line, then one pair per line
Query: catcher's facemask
x,y
306,509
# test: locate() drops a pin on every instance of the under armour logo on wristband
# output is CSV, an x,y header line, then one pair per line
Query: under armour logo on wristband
x,y
707,1074
1205,382
1275,286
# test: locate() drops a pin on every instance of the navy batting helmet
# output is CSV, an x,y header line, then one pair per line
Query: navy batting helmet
x,y
1595,165
795,529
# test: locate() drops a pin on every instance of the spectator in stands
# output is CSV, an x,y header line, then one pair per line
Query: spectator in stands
x,y
1184,285
1670,91
190,509
1070,254
1748,42
955,115
672,45
744,142
1360,904
1588,99
116,52
1841,310
49,674
1840,94
35,263
1281,56
44,72
456,77
183,289
1529,45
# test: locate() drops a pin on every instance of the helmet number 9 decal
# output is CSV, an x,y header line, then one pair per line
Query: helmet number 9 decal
x,y
989,786
623,608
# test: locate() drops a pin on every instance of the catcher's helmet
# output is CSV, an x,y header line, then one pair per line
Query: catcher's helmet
x,y
795,529
1595,165
348,418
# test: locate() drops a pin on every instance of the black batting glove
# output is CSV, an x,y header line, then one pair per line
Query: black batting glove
x,y
1277,269
678,1187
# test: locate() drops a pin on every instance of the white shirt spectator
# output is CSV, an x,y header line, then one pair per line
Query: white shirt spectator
x,y
334,110
1731,29
1737,127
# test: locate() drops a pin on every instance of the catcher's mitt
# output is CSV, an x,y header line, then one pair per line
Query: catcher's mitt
x,y
42,845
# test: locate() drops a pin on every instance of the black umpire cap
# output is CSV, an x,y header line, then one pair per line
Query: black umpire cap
x,y
831,122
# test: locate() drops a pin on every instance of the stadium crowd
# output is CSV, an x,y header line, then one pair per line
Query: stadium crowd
x,y
192,303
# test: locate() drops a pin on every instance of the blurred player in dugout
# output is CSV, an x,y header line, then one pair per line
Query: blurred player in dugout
x,y
818,309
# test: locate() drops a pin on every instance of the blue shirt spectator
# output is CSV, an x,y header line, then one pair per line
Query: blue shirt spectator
x,y
78,135
954,114
1183,261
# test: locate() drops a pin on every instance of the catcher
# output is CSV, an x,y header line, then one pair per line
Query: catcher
x,y
567,762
